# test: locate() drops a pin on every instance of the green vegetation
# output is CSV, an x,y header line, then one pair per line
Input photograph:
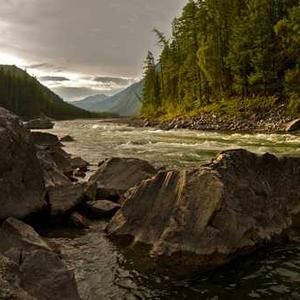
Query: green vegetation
x,y
230,56
26,97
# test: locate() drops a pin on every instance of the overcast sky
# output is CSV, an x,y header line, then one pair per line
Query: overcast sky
x,y
82,47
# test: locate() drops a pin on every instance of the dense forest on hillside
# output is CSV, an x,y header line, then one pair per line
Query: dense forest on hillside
x,y
28,98
227,55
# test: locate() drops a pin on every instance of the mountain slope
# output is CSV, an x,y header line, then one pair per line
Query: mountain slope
x,y
25,96
90,103
125,103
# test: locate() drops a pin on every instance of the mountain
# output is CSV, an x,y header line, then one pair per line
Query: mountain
x,y
91,102
125,103
25,96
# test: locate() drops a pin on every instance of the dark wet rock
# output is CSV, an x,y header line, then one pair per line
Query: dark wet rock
x,y
78,220
35,269
40,123
18,236
21,176
116,175
10,282
45,276
293,125
63,199
52,175
205,217
67,138
44,139
102,208
79,163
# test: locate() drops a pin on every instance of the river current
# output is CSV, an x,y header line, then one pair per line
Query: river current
x,y
103,271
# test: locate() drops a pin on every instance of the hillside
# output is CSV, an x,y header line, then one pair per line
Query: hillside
x,y
90,103
25,96
125,103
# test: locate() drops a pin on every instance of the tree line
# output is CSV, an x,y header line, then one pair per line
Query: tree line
x,y
233,49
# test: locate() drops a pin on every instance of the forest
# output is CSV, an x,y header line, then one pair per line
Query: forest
x,y
226,56
27,97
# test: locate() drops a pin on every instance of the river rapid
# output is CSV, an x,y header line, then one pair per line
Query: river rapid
x,y
103,271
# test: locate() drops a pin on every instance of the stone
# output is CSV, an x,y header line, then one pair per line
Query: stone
x,y
293,125
67,138
21,176
63,199
34,271
202,218
9,281
44,276
78,220
102,208
44,139
116,175
16,235
40,123
79,163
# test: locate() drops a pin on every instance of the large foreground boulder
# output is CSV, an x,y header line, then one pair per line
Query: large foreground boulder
x,y
30,269
203,218
21,176
116,175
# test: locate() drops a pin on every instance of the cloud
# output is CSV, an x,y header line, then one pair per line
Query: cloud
x,y
116,80
54,78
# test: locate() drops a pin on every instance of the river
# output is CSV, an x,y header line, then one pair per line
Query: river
x,y
104,271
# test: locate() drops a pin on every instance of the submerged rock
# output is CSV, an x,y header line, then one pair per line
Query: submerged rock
x,y
102,208
203,218
21,176
116,175
78,220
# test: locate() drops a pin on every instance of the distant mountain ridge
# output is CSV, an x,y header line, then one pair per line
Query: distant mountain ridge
x,y
25,96
125,103
90,102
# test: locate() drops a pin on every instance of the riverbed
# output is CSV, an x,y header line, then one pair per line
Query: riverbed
x,y
103,271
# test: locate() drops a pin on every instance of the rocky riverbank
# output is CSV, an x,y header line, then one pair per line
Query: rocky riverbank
x,y
197,218
274,121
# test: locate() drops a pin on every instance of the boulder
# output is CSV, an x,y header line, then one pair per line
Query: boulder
x,y
40,123
10,282
51,173
21,176
44,276
293,125
35,271
57,158
116,175
67,138
44,139
19,236
102,208
63,199
204,217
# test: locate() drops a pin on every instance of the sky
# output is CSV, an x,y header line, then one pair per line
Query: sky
x,y
83,47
